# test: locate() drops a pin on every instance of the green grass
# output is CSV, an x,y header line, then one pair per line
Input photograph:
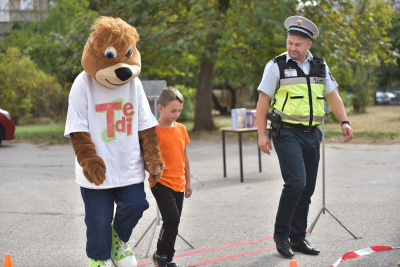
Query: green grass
x,y
380,123
366,136
41,134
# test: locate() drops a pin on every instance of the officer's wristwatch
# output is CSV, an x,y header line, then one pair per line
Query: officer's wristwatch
x,y
345,122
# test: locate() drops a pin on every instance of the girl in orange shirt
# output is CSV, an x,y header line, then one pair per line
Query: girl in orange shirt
x,y
175,182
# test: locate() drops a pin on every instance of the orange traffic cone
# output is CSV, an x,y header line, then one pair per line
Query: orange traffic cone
x,y
293,263
7,261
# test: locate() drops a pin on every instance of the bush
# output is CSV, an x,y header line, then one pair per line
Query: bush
x,y
25,90
362,88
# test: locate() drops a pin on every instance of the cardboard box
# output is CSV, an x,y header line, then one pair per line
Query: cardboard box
x,y
250,118
268,124
238,117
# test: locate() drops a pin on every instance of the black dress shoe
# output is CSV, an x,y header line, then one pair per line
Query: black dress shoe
x,y
304,247
282,245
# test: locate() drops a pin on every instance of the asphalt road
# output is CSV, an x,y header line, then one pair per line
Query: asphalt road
x,y
227,222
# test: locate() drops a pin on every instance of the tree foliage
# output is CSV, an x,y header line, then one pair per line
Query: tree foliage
x,y
354,41
25,90
204,43
55,45
389,74
214,43
226,44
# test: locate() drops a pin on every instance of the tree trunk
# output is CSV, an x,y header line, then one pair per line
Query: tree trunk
x,y
222,110
203,113
203,116
233,97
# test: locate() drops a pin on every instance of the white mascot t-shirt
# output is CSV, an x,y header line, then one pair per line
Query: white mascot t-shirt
x,y
113,117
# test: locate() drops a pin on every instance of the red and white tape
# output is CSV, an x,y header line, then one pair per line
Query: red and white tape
x,y
361,252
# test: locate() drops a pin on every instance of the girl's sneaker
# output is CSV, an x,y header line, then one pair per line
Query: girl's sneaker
x,y
96,263
121,252
171,264
159,260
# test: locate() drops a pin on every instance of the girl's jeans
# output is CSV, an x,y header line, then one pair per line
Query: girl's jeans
x,y
170,204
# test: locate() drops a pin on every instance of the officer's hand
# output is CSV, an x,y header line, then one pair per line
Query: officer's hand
x,y
347,132
264,143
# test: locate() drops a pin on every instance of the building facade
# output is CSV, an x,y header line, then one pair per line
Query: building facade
x,y
14,11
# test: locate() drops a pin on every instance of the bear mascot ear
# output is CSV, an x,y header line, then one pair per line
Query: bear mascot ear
x,y
110,55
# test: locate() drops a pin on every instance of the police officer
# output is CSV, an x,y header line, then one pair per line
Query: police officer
x,y
296,83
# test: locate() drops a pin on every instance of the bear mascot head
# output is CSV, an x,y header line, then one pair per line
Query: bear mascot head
x,y
110,55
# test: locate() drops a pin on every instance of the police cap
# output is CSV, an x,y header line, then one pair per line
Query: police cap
x,y
301,26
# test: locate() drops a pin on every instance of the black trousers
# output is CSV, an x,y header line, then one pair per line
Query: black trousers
x,y
298,153
170,204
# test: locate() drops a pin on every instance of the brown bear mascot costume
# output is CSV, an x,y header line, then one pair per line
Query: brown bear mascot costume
x,y
112,132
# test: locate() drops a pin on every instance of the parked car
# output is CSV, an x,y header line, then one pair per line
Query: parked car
x,y
384,97
7,126
396,99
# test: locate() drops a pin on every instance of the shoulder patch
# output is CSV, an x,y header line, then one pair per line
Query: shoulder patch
x,y
318,59
280,57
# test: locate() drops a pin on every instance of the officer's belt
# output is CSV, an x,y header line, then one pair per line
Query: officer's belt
x,y
304,128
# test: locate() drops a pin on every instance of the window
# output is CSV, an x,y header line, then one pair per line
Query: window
x,y
26,5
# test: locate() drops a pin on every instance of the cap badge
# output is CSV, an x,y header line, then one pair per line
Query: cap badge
x,y
299,22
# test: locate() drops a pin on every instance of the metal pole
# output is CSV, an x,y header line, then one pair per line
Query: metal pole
x,y
323,166
241,157
185,241
152,234
154,223
223,151
323,209
145,232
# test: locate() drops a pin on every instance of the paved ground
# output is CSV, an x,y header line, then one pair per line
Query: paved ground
x,y
229,223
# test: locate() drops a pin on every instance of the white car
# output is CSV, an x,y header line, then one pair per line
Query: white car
x,y
384,97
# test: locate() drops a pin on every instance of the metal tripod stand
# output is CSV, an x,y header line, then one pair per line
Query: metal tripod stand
x,y
323,209
156,222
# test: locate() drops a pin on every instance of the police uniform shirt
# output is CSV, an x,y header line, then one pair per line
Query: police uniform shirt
x,y
270,80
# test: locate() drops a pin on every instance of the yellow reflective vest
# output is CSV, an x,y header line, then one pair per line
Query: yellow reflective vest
x,y
300,98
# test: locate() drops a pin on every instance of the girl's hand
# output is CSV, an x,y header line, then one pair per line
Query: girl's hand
x,y
188,190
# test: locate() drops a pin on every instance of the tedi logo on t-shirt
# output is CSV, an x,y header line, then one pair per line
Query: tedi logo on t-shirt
x,y
123,125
